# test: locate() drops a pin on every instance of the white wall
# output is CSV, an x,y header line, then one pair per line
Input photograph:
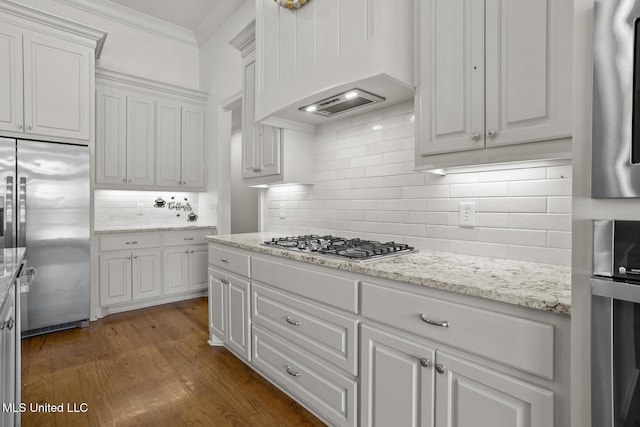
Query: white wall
x,y
365,186
221,76
132,50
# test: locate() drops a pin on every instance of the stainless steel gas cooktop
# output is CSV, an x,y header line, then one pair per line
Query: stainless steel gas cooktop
x,y
340,247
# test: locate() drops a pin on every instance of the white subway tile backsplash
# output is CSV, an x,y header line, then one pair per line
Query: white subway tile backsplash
x,y
366,187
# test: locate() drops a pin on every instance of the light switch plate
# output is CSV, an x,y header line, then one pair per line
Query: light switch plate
x,y
467,214
140,209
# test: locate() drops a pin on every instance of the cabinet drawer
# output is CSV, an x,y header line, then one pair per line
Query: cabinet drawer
x,y
129,241
229,260
324,333
330,394
183,237
327,288
514,341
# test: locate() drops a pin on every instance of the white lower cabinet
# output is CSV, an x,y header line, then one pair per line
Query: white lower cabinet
x,y
469,394
331,394
229,313
185,268
142,269
10,357
128,276
359,352
396,381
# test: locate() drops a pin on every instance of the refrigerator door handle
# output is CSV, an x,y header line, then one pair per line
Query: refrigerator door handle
x,y
7,214
22,212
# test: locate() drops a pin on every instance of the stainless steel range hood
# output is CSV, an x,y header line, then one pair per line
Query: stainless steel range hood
x,y
342,103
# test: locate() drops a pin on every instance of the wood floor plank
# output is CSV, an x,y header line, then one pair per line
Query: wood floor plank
x,y
149,367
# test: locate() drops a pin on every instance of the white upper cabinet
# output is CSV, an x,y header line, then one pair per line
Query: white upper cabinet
x,y
46,75
493,74
150,135
328,46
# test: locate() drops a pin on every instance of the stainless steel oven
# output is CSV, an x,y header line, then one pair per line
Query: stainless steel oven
x,y
615,324
616,100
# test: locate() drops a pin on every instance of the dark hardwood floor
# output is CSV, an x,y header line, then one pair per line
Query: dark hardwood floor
x,y
150,367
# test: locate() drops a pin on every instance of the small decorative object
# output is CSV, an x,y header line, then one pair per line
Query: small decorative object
x,y
291,4
160,203
192,217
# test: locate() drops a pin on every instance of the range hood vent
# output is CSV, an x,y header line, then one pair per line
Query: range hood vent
x,y
342,103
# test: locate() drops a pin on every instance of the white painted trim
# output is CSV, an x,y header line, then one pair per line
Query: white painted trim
x,y
224,169
245,41
214,20
133,18
96,37
103,76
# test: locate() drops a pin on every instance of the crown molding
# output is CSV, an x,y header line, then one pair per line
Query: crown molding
x,y
97,37
133,18
215,19
245,41
104,75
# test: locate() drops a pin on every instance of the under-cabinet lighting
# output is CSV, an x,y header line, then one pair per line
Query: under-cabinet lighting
x,y
499,166
311,108
377,127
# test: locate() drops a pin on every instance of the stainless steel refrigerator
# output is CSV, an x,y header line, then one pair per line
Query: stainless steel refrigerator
x,y
44,206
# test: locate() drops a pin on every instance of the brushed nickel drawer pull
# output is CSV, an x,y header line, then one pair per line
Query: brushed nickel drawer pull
x,y
224,260
292,322
442,324
188,238
292,373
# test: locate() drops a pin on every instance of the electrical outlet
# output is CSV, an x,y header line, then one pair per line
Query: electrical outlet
x,y
282,216
467,214
140,209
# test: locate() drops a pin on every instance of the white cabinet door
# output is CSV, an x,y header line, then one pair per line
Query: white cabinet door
x,y
198,260
238,336
217,298
176,269
57,81
397,380
168,145
145,270
11,108
250,132
115,278
140,140
111,136
528,70
452,76
193,147
269,151
470,395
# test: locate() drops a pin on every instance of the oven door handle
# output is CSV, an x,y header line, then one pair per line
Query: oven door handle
x,y
609,288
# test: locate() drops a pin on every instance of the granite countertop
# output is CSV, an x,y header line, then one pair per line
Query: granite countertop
x,y
9,263
141,228
539,286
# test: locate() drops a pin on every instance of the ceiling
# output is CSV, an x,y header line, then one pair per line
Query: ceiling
x,y
187,14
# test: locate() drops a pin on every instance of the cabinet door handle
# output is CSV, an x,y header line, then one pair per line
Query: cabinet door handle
x,y
292,322
440,323
476,136
440,368
191,251
292,373
128,256
425,362
28,127
224,260
19,126
124,179
188,238
135,257
492,133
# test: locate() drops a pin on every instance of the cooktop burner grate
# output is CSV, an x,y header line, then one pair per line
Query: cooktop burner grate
x,y
352,249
